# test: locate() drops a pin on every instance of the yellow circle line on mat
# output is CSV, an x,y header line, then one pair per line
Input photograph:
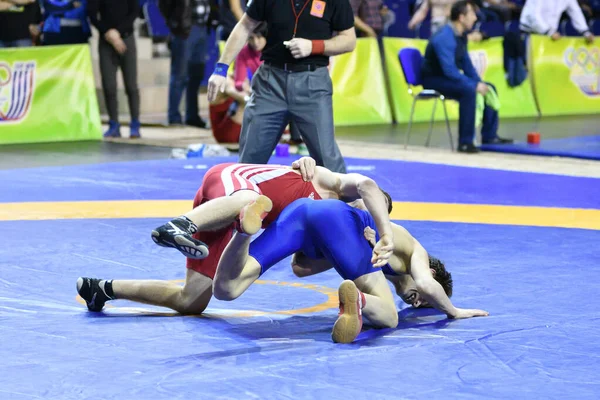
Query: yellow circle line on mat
x,y
331,302
412,211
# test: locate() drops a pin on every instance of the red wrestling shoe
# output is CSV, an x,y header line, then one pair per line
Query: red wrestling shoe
x,y
252,215
349,323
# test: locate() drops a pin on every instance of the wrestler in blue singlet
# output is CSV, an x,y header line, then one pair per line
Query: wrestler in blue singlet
x,y
328,229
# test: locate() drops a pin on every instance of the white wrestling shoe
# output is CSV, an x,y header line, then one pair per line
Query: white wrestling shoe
x,y
253,214
349,323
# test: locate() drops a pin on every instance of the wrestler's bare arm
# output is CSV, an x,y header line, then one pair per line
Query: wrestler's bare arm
x,y
410,257
349,187
431,290
427,286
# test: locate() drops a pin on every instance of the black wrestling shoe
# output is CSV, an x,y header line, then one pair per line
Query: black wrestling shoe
x,y
94,295
178,233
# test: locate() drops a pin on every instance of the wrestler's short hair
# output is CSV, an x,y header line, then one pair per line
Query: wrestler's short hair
x,y
443,277
389,200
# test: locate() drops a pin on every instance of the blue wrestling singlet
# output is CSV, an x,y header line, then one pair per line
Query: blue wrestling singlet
x,y
328,229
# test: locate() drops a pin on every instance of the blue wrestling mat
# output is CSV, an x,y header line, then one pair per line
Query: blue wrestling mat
x,y
539,283
586,147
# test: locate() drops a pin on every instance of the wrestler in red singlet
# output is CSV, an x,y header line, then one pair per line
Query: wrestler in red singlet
x,y
225,129
279,183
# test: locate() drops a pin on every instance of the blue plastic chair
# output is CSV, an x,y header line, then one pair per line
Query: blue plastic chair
x,y
157,27
410,61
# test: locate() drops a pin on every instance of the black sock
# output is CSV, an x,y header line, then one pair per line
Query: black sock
x,y
108,290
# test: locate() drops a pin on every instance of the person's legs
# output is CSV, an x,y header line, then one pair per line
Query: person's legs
x,y
243,262
265,116
379,308
217,204
466,97
311,108
191,298
226,128
216,214
197,58
336,227
109,63
236,270
491,121
222,211
178,78
130,79
368,296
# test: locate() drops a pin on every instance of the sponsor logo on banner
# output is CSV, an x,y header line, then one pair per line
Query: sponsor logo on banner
x,y
480,61
17,85
584,64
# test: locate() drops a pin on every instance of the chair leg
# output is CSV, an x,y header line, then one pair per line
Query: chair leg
x,y
412,112
431,123
448,125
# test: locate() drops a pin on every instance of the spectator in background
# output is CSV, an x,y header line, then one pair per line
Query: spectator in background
x,y
19,20
497,10
543,17
227,113
227,110
248,60
230,12
368,17
116,49
65,22
188,60
440,11
446,55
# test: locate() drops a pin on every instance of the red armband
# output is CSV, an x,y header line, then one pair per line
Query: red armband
x,y
318,47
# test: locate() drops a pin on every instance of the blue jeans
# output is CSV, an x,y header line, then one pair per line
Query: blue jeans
x,y
466,97
188,57
15,43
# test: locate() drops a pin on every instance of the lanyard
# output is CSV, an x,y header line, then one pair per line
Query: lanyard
x,y
297,15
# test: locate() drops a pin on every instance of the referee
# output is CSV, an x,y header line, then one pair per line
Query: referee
x,y
293,84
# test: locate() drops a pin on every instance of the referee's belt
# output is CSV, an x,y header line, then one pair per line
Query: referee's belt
x,y
290,67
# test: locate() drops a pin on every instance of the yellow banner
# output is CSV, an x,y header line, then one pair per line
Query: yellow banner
x,y
566,75
359,92
47,94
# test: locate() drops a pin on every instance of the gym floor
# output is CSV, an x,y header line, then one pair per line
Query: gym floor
x,y
520,245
